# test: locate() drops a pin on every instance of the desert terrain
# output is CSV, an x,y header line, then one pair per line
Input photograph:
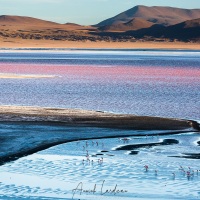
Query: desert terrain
x,y
138,27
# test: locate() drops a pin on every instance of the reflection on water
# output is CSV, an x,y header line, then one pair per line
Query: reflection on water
x,y
142,83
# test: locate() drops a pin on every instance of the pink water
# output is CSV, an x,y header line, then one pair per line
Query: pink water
x,y
160,85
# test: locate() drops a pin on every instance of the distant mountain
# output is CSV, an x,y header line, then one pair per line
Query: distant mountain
x,y
123,27
133,24
187,30
72,24
20,20
160,15
30,23
195,23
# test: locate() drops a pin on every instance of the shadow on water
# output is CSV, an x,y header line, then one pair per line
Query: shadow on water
x,y
189,156
133,147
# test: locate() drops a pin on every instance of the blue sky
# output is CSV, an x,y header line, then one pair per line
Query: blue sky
x,y
82,11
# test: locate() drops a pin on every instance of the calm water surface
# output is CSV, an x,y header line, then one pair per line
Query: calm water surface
x,y
158,83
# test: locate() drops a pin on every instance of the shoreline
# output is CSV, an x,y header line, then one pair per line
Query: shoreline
x,y
51,44
106,49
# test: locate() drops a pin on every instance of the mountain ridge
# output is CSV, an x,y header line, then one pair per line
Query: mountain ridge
x,y
14,19
133,24
157,14
184,31
124,27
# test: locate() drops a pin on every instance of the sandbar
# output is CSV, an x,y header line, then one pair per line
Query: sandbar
x,y
91,118
23,76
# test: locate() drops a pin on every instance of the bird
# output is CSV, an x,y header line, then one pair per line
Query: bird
x,y
188,174
86,143
181,168
146,167
174,175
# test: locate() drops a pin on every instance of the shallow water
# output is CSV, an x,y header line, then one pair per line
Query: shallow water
x,y
57,171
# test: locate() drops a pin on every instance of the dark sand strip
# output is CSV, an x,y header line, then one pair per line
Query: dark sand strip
x,y
147,145
134,153
189,156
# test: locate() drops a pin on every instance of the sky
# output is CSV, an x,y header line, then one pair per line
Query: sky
x,y
84,12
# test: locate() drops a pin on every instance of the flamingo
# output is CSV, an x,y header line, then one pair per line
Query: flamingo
x,y
87,153
192,173
181,168
146,167
188,174
86,143
88,158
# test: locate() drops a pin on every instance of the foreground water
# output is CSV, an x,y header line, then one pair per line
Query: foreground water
x,y
95,169
158,83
